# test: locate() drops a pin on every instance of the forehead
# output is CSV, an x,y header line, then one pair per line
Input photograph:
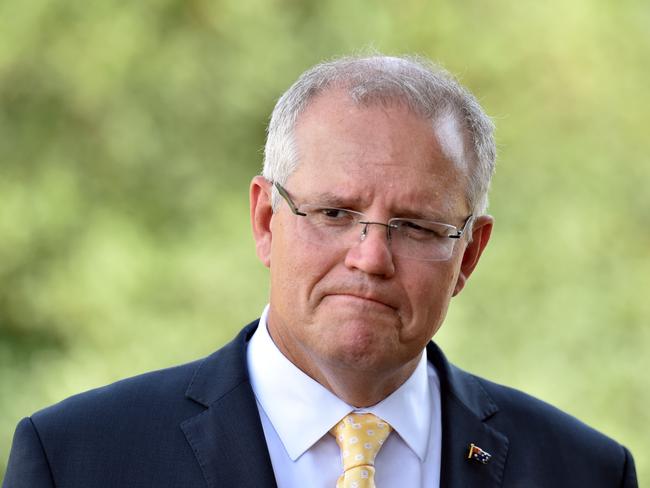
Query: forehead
x,y
377,151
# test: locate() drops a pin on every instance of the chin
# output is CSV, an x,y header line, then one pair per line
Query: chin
x,y
361,342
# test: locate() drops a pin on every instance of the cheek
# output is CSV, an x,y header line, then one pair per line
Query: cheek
x,y
296,266
429,298
283,268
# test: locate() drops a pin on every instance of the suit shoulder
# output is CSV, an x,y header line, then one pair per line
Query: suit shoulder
x,y
126,397
153,398
519,412
105,434
537,430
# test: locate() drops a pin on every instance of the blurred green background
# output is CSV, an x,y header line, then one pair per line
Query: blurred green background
x,y
129,132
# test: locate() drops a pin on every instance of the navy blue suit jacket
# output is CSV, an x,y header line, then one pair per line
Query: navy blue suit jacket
x,y
197,425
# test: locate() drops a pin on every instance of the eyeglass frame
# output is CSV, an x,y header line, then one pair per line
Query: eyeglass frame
x,y
296,211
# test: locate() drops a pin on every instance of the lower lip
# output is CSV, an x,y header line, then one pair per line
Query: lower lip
x,y
359,301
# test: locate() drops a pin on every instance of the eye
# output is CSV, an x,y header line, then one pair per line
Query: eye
x,y
334,213
330,216
421,230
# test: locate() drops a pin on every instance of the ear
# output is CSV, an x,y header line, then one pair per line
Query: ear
x,y
481,231
261,214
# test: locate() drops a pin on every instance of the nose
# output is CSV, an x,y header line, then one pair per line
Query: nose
x,y
372,253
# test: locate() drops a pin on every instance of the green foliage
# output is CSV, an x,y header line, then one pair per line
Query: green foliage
x,y
129,132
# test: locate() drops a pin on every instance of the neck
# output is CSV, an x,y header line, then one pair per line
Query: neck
x,y
362,388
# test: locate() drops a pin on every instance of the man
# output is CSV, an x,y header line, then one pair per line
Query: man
x,y
371,216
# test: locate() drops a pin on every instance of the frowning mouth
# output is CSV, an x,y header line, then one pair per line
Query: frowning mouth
x,y
359,300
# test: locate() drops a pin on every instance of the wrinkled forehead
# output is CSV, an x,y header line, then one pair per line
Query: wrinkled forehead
x,y
344,146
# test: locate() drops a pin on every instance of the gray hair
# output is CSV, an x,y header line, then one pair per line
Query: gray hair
x,y
428,90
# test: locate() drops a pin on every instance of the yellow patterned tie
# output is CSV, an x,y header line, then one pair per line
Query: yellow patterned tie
x,y
359,436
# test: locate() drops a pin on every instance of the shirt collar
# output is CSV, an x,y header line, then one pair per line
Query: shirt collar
x,y
302,410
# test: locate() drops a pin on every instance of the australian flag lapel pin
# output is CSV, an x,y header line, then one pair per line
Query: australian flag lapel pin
x,y
478,454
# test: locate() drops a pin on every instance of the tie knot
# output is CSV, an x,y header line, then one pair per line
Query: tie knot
x,y
360,436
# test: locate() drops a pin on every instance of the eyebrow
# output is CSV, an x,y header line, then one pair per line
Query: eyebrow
x,y
420,215
336,200
343,201
428,215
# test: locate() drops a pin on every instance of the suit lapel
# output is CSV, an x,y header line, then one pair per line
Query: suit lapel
x,y
466,408
227,438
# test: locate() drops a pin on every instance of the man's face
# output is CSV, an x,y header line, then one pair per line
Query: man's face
x,y
360,308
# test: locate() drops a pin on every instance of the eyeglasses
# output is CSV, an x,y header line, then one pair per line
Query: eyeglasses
x,y
418,239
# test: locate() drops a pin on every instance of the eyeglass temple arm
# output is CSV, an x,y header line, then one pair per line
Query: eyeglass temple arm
x,y
283,193
461,231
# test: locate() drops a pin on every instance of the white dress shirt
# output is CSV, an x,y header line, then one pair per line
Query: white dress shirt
x,y
297,413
